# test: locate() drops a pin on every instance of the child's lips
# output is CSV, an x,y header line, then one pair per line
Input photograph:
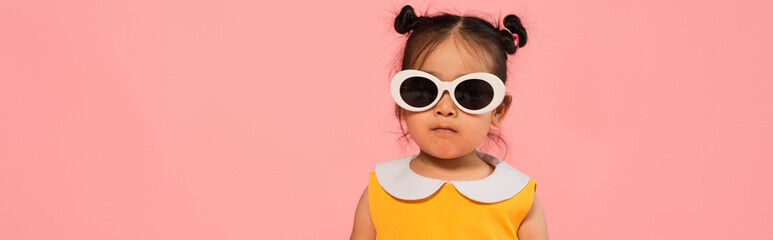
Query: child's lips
x,y
444,129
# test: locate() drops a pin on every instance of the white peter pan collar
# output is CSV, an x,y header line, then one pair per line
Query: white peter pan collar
x,y
400,181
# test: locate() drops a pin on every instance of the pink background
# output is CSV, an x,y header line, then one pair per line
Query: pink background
x,y
247,120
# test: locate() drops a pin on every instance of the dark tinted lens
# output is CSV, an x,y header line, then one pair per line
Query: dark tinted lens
x,y
474,94
418,91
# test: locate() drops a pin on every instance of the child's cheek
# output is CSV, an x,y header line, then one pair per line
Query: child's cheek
x,y
478,128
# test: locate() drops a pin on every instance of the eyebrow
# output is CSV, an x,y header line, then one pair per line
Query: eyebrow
x,y
433,73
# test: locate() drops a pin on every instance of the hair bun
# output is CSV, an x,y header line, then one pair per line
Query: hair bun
x,y
406,20
513,24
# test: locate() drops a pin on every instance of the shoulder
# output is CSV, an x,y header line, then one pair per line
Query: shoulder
x,y
363,224
363,198
534,224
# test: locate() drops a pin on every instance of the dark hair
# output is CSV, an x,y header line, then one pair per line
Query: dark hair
x,y
489,43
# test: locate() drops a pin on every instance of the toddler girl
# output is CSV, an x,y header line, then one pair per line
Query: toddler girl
x,y
449,93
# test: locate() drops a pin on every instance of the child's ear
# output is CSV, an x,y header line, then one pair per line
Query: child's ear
x,y
501,110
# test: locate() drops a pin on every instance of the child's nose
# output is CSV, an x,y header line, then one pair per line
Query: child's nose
x,y
445,107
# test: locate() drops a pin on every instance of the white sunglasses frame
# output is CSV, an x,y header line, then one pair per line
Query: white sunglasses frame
x,y
496,84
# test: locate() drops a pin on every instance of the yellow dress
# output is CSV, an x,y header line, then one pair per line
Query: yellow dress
x,y
405,205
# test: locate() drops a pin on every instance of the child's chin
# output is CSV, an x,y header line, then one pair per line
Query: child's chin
x,y
445,153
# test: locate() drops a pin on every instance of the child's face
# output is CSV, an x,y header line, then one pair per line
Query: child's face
x,y
446,63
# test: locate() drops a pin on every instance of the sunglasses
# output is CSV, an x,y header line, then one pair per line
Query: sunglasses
x,y
474,93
